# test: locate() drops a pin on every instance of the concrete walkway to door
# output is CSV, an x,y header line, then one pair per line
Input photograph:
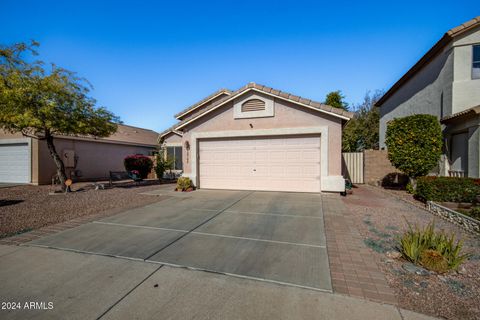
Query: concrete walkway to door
x,y
269,236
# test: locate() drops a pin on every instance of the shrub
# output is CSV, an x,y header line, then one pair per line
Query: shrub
x,y
163,163
475,213
435,251
434,260
414,144
183,183
395,180
448,189
142,164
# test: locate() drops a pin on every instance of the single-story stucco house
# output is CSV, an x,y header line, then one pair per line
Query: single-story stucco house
x,y
27,160
259,138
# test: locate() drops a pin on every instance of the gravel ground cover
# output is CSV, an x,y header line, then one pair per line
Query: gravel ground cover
x,y
381,218
25,208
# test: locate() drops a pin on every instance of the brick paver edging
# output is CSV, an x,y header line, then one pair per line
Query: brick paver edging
x,y
353,269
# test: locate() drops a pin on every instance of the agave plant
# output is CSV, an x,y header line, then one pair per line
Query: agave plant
x,y
436,251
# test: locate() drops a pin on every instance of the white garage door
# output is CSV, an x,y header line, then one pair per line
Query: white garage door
x,y
15,163
274,164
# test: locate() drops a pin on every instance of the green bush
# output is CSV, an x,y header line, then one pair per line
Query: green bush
x,y
447,189
163,163
141,163
435,251
183,183
414,144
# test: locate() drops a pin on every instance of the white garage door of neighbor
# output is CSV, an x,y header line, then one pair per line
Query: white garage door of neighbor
x,y
15,163
271,164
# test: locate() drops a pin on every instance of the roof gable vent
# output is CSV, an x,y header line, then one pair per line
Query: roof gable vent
x,y
253,105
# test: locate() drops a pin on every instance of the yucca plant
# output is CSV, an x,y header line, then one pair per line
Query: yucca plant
x,y
436,251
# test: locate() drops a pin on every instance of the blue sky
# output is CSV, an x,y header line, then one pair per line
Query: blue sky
x,y
149,60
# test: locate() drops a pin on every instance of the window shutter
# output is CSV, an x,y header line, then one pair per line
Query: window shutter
x,y
253,105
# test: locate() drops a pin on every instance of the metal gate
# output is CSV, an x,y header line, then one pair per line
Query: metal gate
x,y
352,166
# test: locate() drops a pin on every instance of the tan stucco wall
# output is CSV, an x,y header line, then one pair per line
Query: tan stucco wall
x,y
422,94
287,115
95,159
466,91
172,138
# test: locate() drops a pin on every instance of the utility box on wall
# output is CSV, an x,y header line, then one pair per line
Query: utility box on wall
x,y
68,158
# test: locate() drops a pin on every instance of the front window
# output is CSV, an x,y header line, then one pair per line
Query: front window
x,y
476,62
175,153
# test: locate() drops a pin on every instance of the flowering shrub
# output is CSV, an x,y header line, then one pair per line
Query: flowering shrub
x,y
139,163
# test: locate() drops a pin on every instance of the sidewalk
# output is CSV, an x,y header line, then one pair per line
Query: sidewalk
x,y
82,286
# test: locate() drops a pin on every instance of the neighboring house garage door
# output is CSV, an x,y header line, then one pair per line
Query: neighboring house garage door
x,y
274,164
15,163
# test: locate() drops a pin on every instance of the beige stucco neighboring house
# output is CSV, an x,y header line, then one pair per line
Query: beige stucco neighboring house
x,y
27,160
445,82
259,138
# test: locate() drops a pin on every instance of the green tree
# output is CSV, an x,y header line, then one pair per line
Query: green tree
x,y
43,102
361,132
336,99
414,144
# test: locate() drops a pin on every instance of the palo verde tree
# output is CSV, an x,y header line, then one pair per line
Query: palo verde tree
x,y
414,144
337,100
41,103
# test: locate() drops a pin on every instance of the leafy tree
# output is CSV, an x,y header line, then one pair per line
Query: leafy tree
x,y
361,132
414,144
42,103
336,99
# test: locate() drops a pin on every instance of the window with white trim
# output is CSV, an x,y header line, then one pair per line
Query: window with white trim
x,y
175,153
476,62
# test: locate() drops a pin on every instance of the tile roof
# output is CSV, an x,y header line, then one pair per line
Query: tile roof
x,y
457,116
203,101
437,47
283,95
125,135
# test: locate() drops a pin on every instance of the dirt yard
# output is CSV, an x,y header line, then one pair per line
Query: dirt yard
x,y
25,208
381,218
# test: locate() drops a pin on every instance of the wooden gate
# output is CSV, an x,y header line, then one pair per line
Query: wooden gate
x,y
352,166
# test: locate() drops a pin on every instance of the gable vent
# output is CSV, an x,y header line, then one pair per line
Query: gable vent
x,y
253,105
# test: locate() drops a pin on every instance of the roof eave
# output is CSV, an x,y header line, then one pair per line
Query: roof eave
x,y
187,111
437,47
233,96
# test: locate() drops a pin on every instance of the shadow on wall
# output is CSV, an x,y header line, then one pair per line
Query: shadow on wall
x,y
395,180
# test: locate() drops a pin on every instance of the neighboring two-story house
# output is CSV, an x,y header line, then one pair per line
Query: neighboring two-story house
x,y
445,82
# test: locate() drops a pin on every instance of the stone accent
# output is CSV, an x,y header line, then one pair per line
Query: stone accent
x,y
377,166
467,223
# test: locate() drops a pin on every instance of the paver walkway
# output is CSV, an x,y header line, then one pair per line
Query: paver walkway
x,y
353,269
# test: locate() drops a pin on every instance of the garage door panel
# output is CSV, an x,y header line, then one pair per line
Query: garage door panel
x,y
277,164
15,163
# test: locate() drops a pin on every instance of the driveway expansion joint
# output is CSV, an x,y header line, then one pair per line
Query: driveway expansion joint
x,y
235,275
130,291
198,226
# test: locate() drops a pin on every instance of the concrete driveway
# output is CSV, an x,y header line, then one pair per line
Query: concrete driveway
x,y
269,236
